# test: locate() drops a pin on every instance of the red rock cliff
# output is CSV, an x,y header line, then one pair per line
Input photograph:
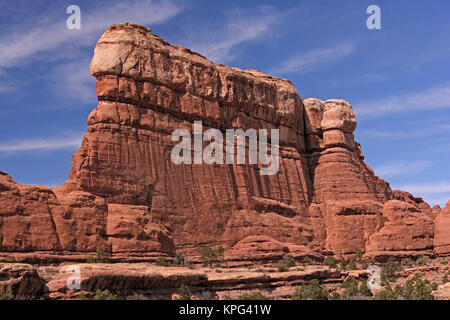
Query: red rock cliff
x,y
324,198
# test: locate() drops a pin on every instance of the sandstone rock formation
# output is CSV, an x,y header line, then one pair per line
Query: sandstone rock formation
x,y
125,194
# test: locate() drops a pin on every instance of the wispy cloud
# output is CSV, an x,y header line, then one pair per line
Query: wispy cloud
x,y
6,88
239,28
42,144
401,168
432,192
436,129
74,79
429,99
306,61
19,47
428,187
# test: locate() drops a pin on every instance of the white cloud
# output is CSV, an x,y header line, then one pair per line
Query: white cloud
x,y
432,192
428,188
429,99
17,48
436,129
6,88
401,168
72,141
240,28
306,61
75,80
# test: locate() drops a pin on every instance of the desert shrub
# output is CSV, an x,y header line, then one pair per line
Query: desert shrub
x,y
343,264
446,277
102,256
289,260
444,262
415,288
359,256
350,286
335,296
285,263
352,265
81,296
386,294
281,266
307,260
330,261
5,294
364,265
212,256
162,261
422,260
184,292
364,289
136,296
390,270
104,295
253,296
311,291
409,262
418,289
207,295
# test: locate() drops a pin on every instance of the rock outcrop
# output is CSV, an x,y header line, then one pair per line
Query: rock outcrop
x,y
442,231
125,194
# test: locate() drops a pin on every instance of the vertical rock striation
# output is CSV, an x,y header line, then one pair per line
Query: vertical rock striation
x,y
125,193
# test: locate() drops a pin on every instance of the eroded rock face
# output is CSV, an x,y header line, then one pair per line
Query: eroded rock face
x,y
37,219
126,194
406,228
442,231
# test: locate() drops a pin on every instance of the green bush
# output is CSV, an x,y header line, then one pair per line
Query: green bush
x,y
81,296
184,292
136,296
104,295
409,262
445,279
352,265
289,260
6,294
253,296
351,287
364,289
284,264
444,262
359,256
102,257
415,288
390,270
311,291
330,261
307,261
422,260
335,296
343,264
386,294
212,256
281,266
162,261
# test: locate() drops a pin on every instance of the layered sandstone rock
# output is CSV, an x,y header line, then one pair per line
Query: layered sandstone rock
x,y
36,219
125,193
147,88
442,231
405,228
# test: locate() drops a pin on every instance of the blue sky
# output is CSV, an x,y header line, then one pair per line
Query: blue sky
x,y
397,78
